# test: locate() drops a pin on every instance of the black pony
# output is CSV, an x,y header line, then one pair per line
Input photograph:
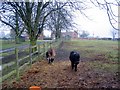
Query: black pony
x,y
74,58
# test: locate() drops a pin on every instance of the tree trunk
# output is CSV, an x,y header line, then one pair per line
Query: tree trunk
x,y
33,43
58,34
17,40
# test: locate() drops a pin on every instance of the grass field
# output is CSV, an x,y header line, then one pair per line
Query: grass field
x,y
6,44
91,48
9,44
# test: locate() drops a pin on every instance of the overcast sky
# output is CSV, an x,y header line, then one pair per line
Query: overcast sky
x,y
99,25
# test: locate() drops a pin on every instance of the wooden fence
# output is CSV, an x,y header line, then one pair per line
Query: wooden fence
x,y
14,67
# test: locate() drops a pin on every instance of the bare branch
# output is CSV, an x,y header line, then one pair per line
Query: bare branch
x,y
108,7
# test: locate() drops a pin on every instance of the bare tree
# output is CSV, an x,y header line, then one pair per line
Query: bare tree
x,y
114,33
29,13
34,14
62,19
59,20
109,7
84,34
10,18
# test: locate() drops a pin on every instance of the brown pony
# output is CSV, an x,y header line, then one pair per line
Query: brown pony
x,y
50,54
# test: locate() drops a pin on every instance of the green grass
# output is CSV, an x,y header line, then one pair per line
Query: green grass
x,y
89,48
11,44
8,44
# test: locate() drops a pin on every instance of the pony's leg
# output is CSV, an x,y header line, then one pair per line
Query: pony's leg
x,y
72,65
76,67
52,59
49,60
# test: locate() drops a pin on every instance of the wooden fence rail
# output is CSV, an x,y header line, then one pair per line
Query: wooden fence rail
x,y
31,57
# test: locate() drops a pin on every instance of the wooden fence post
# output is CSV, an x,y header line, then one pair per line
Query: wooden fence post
x,y
17,63
47,45
38,51
44,49
50,44
30,55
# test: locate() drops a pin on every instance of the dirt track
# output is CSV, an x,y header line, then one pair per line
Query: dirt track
x,y
60,75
